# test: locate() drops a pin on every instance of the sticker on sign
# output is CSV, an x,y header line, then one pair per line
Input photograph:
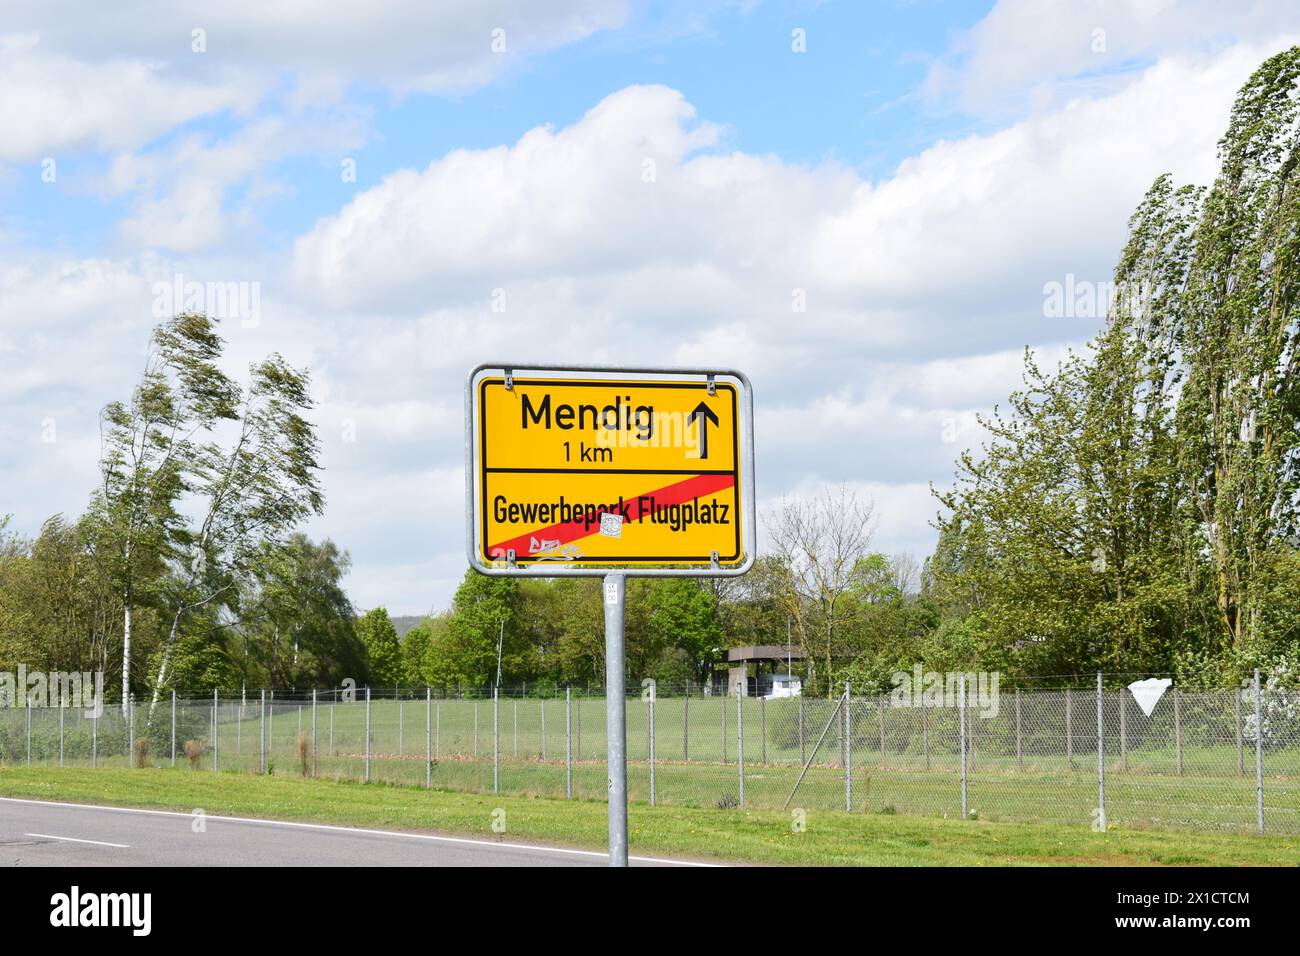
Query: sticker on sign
x,y
585,470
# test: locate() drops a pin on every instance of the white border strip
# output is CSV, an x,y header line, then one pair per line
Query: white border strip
x,y
50,836
469,841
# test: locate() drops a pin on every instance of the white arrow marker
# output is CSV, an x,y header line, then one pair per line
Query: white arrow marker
x,y
1148,692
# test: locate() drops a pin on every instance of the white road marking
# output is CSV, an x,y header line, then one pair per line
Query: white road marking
x,y
50,836
341,829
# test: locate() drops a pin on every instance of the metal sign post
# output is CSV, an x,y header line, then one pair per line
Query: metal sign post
x,y
616,716
609,472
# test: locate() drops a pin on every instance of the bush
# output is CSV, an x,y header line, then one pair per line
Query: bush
x,y
304,754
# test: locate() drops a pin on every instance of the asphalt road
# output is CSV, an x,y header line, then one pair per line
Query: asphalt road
x,y
39,833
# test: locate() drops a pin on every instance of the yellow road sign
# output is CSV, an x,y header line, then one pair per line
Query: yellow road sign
x,y
609,472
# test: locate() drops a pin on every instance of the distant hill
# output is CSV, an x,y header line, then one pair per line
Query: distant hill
x,y
402,625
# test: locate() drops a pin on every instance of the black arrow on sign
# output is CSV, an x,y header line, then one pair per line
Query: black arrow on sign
x,y
703,414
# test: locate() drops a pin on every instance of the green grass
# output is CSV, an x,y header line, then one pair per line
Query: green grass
x,y
755,836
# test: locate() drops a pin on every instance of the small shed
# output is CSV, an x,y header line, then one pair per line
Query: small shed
x,y
757,669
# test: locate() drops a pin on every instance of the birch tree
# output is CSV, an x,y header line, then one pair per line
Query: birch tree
x,y
251,492
148,445
819,542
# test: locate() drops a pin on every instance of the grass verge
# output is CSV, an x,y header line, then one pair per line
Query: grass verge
x,y
709,834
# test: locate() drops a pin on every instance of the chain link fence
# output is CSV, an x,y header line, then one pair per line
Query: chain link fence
x,y
1223,760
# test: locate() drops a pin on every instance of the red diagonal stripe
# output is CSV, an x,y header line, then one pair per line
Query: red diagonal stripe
x,y
674,494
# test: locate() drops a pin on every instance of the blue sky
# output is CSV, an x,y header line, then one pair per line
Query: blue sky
x,y
852,101
921,172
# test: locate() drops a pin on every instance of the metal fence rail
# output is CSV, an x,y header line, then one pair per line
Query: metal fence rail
x,y
1224,759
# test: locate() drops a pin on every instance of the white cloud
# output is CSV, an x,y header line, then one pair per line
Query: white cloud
x,y
960,239
1038,53
571,202
52,104
180,194
112,78
403,45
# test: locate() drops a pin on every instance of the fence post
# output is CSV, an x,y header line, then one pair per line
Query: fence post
x,y
94,742
367,735
740,740
216,765
724,730
961,737
543,707
925,733
1259,754
261,736
475,750
515,745
848,748
762,728
568,743
650,745
1069,730
331,740
496,739
401,726
270,727
173,728
1178,732
314,762
972,730
1123,729
1236,713
1101,761
62,708
686,725
880,707
29,732
802,757
1020,751
130,728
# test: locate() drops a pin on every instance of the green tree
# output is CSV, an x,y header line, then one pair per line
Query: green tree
x,y
683,617
1239,410
1130,511
481,606
56,611
201,661
383,653
296,623
149,451
416,647
250,493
